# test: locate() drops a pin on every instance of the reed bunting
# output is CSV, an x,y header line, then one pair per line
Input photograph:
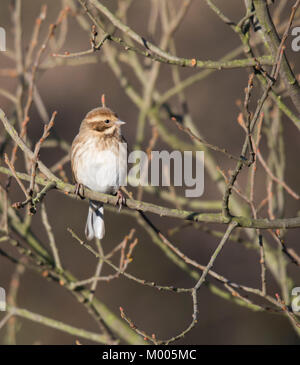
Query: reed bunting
x,y
99,162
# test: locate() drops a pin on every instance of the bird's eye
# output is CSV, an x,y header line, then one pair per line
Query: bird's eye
x,y
107,121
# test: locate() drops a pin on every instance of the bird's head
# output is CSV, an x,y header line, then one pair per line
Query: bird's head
x,y
102,120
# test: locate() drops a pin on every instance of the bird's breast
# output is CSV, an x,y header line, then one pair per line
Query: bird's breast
x,y
99,165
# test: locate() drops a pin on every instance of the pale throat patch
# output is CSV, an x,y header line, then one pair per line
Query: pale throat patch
x,y
110,130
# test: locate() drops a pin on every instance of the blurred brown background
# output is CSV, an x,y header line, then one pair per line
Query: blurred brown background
x,y
73,91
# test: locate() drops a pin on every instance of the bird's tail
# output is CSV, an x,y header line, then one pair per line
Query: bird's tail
x,y
95,221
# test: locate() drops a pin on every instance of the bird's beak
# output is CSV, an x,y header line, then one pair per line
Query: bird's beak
x,y
119,122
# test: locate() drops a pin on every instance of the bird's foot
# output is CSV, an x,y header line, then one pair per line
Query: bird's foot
x,y
121,200
79,190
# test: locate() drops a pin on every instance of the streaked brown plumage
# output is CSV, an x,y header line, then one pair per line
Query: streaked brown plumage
x,y
96,163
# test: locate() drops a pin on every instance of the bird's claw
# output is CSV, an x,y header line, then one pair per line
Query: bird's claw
x,y
121,200
79,190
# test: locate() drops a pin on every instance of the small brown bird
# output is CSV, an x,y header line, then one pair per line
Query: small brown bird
x,y
98,162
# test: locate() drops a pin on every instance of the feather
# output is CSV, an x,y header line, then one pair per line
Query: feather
x,y
95,221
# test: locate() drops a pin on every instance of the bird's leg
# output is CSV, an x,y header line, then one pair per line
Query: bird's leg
x,y
79,187
121,200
